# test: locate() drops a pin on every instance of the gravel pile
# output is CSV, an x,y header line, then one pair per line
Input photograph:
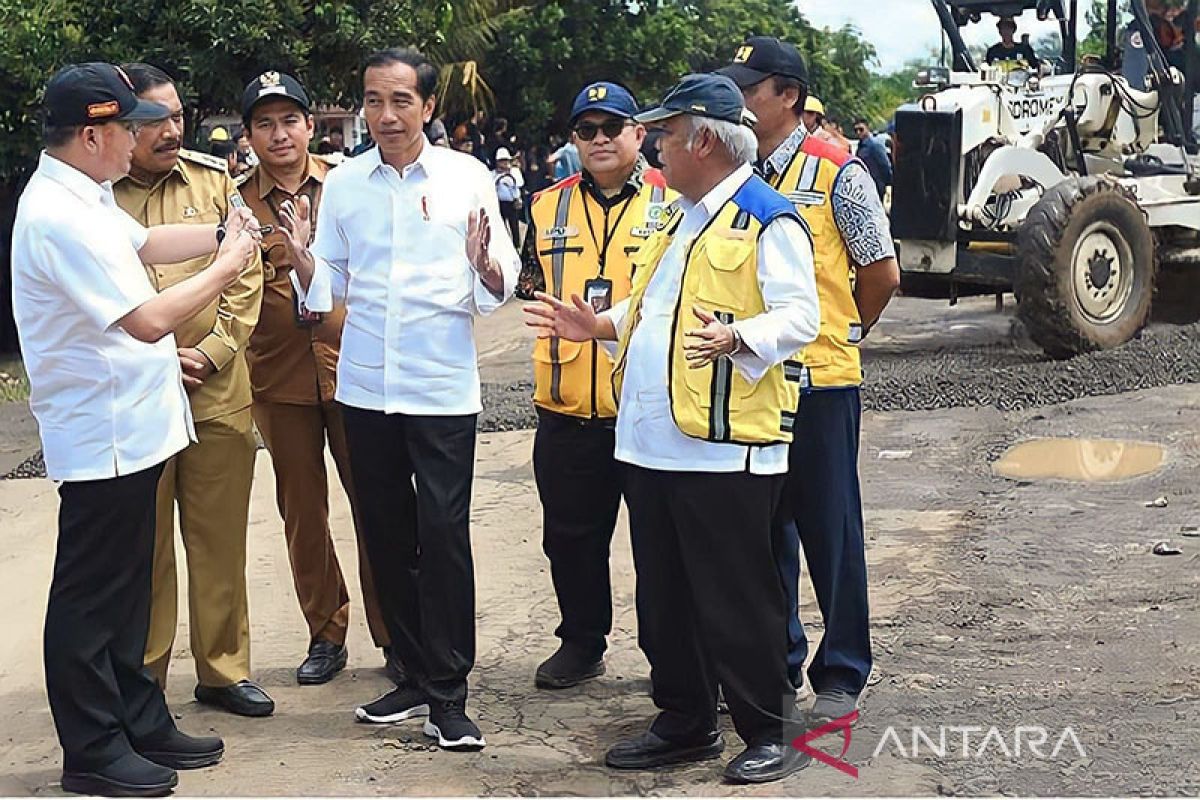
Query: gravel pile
x,y
1018,375
1011,376
32,467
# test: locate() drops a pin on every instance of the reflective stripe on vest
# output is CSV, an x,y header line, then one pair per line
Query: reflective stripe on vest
x,y
557,263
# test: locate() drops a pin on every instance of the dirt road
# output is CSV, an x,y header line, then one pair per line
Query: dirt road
x,y
997,604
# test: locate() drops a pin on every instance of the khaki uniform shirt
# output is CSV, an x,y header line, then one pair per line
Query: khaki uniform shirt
x,y
293,359
197,190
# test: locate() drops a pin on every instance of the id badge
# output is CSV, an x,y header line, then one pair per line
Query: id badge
x,y
598,294
302,316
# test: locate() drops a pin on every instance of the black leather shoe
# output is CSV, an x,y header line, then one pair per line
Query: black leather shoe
x,y
128,776
569,666
177,750
393,668
325,659
651,750
763,763
245,698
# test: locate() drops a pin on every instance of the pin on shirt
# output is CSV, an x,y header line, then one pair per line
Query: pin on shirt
x,y
425,207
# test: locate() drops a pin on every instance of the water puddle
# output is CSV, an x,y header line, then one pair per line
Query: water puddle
x,y
1088,460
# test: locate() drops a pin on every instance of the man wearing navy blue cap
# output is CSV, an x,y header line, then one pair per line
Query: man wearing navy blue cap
x,y
583,231
107,391
722,293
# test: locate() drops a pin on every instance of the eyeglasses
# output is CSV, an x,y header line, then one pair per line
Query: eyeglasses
x,y
612,128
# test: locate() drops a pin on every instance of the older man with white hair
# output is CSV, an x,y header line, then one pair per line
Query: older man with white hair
x,y
722,294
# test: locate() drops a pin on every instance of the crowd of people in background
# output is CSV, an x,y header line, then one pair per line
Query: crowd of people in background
x,y
521,169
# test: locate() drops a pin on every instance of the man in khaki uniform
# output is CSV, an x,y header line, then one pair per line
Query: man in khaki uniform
x,y
293,369
210,479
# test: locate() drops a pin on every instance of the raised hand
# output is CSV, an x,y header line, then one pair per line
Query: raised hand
x,y
295,217
705,345
479,240
550,316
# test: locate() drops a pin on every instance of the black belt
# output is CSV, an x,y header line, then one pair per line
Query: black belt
x,y
605,423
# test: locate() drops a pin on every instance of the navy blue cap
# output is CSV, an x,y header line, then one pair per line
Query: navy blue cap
x,y
87,94
710,95
611,98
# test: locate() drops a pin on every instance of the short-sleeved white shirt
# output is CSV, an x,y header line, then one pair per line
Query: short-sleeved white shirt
x,y
106,404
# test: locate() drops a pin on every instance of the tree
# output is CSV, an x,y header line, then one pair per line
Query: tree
x,y
543,58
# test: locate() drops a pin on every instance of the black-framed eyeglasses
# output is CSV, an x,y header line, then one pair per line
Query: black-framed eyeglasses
x,y
612,128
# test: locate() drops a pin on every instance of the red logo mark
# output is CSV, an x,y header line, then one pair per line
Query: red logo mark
x,y
843,724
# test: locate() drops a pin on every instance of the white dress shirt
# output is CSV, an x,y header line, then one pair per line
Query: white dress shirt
x,y
646,432
106,404
393,247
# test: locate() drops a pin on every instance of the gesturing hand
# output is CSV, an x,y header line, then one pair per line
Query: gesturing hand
x,y
479,240
295,217
552,317
705,345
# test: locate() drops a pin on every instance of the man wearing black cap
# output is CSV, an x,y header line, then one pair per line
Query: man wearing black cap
x,y
106,389
210,480
722,293
293,371
583,232
856,276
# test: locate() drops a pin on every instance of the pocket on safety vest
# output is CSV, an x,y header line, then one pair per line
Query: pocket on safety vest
x,y
551,386
724,286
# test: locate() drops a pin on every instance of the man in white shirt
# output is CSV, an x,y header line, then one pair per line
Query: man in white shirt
x,y
723,293
410,239
509,183
107,392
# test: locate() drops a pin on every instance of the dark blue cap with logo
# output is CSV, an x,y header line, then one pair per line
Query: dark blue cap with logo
x,y
712,96
611,98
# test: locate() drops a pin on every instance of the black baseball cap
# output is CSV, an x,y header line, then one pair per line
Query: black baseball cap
x,y
709,95
269,85
760,57
95,92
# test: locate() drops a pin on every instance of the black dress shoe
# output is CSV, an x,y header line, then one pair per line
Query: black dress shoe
x,y
245,698
393,668
651,750
763,763
570,665
325,659
177,750
128,776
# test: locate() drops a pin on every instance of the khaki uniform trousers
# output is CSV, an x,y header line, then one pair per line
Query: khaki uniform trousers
x,y
295,436
210,481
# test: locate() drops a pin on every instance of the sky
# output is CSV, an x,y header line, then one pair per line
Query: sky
x,y
904,29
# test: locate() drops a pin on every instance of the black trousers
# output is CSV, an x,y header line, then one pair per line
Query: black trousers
x,y
101,696
822,508
579,484
710,603
412,478
512,219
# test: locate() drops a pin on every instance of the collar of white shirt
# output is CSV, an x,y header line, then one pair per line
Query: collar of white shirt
x,y
426,160
78,182
719,195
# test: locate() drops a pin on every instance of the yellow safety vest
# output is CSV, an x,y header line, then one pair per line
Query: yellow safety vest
x,y
832,360
577,241
716,403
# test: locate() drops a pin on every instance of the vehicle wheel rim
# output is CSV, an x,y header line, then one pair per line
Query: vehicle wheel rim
x,y
1102,272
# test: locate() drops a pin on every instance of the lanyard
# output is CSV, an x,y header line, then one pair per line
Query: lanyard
x,y
609,232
